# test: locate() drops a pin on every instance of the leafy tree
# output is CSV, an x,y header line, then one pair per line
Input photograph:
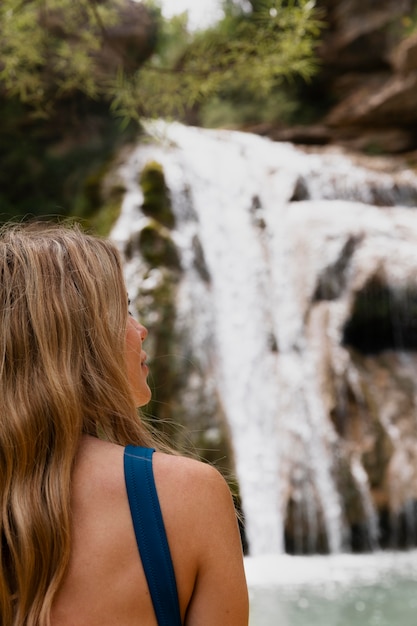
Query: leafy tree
x,y
251,52
69,69
52,48
59,62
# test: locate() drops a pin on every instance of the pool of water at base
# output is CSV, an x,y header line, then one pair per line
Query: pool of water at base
x,y
344,590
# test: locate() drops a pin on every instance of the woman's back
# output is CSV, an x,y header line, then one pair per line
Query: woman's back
x,y
106,584
72,367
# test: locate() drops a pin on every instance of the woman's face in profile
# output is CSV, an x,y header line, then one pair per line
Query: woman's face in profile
x,y
137,370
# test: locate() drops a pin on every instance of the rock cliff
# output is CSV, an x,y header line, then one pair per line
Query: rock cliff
x,y
368,78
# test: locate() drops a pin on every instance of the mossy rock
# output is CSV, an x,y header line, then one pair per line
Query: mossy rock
x,y
155,245
99,203
156,198
103,221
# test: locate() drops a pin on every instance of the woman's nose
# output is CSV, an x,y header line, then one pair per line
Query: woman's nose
x,y
143,331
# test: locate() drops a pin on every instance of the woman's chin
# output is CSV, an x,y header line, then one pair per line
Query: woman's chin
x,y
143,398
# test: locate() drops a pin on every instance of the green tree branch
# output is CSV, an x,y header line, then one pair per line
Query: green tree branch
x,y
50,49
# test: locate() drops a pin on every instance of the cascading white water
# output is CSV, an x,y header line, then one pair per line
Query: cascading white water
x,y
263,341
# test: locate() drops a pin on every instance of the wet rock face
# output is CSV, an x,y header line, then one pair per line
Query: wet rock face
x,y
382,319
373,411
377,424
185,407
368,60
368,77
360,34
285,339
332,281
365,303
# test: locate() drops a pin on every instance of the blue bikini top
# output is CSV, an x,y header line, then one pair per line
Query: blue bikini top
x,y
150,534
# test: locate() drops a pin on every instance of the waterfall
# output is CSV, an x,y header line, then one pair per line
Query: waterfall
x,y
289,241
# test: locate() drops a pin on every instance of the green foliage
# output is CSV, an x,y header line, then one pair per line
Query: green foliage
x,y
51,48
250,54
101,207
48,48
409,23
236,110
48,166
63,80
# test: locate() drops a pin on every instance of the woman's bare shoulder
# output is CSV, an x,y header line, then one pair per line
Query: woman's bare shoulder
x,y
183,466
198,480
195,498
201,523
186,487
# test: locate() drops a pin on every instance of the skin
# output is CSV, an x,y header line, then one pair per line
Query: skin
x,y
105,584
137,370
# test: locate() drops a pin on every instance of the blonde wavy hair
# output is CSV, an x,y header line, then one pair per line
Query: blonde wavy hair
x,y
63,315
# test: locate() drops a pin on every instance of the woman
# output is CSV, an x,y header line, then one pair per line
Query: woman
x,y
72,374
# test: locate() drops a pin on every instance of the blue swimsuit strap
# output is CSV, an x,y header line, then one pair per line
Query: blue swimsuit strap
x,y
150,534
